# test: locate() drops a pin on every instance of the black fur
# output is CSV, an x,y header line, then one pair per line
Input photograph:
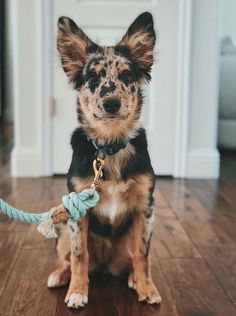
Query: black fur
x,y
144,20
84,154
107,230
82,157
93,84
107,89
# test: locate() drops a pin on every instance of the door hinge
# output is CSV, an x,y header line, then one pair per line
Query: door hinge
x,y
52,107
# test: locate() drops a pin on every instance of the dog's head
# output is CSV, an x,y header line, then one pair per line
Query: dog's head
x,y
108,78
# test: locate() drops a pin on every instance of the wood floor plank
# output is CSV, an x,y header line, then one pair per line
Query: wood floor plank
x,y
165,212
222,212
171,239
195,289
168,305
26,292
161,206
222,261
194,218
160,200
10,245
220,257
228,189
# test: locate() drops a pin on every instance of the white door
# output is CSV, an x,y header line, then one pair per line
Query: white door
x,y
105,22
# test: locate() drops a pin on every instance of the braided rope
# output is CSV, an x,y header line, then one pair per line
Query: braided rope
x,y
76,205
12,212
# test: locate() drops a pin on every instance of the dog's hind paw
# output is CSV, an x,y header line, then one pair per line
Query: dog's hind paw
x,y
131,282
58,278
53,280
76,300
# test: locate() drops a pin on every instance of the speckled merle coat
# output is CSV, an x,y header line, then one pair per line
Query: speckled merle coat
x,y
117,231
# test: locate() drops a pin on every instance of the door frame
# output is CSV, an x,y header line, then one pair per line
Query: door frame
x,y
185,14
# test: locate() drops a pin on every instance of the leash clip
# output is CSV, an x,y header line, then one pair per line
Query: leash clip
x,y
98,165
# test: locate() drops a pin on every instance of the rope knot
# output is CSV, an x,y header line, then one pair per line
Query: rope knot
x,y
78,203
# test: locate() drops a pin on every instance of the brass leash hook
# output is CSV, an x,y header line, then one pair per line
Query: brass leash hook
x,y
98,165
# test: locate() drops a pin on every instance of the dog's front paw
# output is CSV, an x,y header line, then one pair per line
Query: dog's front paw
x,y
145,289
76,300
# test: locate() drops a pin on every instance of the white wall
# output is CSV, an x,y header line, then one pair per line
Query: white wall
x,y
228,19
203,157
26,157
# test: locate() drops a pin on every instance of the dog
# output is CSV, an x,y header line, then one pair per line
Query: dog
x,y
117,232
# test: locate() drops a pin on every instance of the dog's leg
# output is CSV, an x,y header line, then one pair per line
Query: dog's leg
x,y
61,276
140,278
77,294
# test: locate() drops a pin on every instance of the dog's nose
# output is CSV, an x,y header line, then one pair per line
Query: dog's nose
x,y
112,105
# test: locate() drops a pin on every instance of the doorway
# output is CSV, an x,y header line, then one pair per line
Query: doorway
x,y
227,90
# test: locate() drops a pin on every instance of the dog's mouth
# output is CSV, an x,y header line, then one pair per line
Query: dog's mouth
x,y
111,117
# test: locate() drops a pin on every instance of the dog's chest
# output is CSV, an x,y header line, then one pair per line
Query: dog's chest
x,y
117,199
113,204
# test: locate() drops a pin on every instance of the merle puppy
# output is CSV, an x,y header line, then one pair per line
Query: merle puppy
x,y
117,231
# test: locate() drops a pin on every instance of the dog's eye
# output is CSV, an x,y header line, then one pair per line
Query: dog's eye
x,y
126,76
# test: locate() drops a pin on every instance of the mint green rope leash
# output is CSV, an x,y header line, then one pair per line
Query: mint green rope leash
x,y
76,205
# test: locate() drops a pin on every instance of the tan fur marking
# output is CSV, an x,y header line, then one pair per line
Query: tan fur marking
x,y
97,68
63,245
79,265
72,48
140,276
141,47
114,130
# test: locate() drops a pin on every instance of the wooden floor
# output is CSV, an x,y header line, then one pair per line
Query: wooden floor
x,y
193,252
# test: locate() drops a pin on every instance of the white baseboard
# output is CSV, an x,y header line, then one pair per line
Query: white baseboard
x,y
203,163
26,162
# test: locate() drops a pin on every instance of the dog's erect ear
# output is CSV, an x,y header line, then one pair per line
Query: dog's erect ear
x,y
140,40
73,46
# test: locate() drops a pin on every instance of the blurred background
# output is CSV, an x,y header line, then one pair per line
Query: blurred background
x,y
190,105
